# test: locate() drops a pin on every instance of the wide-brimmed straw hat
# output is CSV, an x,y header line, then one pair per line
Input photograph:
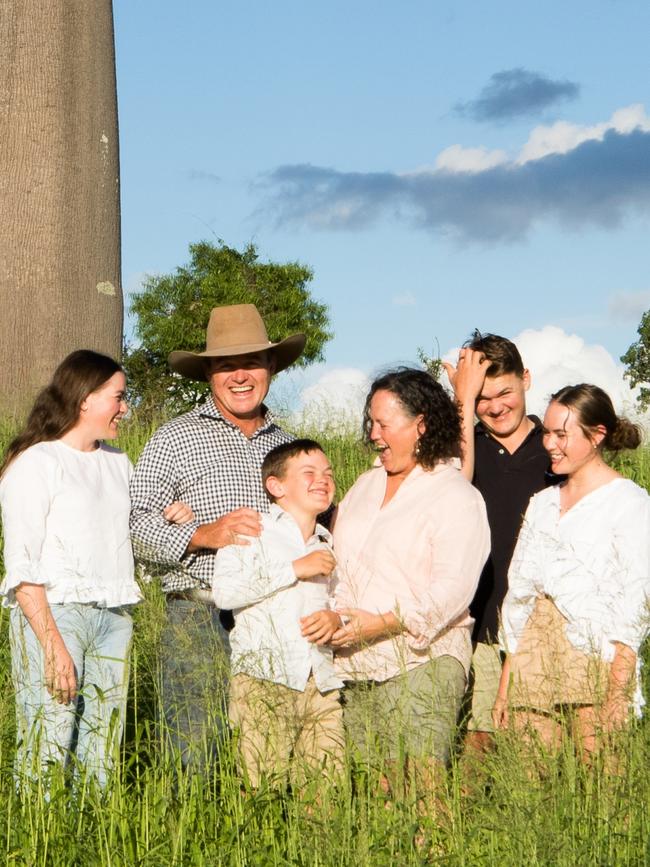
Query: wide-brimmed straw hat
x,y
236,329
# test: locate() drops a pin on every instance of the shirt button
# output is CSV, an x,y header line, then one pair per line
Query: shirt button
x,y
502,451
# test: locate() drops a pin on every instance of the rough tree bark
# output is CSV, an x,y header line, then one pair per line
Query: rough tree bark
x,y
60,285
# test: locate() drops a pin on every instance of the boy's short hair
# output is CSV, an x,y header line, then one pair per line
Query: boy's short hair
x,y
275,462
502,352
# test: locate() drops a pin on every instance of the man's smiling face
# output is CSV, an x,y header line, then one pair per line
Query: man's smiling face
x,y
240,383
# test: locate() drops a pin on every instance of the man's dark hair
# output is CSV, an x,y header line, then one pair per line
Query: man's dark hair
x,y
502,352
275,462
420,394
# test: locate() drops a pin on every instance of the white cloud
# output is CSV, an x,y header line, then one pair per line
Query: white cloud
x,y
333,403
629,306
562,137
460,159
405,299
598,176
556,359
557,138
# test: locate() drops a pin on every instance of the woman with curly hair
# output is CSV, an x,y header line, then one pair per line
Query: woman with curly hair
x,y
411,537
576,612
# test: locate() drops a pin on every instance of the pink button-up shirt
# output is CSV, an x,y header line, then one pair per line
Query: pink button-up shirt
x,y
420,556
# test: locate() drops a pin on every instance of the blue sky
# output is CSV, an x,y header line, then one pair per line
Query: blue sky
x,y
440,165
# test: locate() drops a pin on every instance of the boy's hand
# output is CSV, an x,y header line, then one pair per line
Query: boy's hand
x,y
178,513
321,562
468,377
320,626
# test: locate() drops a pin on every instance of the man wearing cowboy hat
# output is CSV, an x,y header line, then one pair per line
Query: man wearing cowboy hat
x,y
209,458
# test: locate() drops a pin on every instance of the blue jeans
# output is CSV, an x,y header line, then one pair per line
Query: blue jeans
x,y
90,727
195,666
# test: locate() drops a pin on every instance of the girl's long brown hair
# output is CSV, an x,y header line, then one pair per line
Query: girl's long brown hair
x,y
56,409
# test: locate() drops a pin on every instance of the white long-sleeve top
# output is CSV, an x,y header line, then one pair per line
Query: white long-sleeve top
x,y
65,517
593,562
258,582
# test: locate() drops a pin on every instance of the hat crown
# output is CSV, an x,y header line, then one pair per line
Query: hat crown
x,y
235,325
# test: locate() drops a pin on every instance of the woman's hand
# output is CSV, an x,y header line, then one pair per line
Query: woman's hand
x,y
60,677
362,627
500,716
178,513
615,712
319,627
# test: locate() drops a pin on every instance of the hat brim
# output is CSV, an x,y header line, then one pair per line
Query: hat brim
x,y
192,364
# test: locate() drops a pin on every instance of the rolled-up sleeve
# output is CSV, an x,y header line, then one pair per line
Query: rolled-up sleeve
x,y
459,542
153,487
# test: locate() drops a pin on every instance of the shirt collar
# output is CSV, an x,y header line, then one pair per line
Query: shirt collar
x,y
534,431
277,513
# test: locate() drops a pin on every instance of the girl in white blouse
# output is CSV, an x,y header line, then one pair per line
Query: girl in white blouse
x,y
69,570
576,611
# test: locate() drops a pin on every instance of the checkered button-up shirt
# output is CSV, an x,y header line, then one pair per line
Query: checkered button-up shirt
x,y
205,461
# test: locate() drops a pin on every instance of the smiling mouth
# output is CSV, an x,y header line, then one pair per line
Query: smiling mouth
x,y
241,389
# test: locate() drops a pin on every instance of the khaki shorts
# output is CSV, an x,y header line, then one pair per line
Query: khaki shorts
x,y
547,670
283,732
412,714
487,662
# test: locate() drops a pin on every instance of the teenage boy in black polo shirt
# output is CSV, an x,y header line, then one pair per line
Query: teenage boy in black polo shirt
x,y
504,457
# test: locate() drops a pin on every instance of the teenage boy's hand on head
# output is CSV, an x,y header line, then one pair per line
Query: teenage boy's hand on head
x,y
468,377
319,627
321,562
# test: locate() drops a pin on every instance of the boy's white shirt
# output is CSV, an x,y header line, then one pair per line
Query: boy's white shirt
x,y
258,583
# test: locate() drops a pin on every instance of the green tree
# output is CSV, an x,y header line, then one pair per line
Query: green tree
x,y
173,310
637,361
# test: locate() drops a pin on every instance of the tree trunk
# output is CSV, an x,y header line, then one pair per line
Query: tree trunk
x,y
60,286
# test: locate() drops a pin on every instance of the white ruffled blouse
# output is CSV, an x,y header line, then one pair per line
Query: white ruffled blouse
x,y
593,562
65,517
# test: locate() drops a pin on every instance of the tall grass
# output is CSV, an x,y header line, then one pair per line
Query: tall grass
x,y
154,815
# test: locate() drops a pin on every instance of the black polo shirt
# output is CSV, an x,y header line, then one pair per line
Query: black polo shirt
x,y
507,482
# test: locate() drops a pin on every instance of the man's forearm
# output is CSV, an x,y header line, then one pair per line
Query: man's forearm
x,y
155,540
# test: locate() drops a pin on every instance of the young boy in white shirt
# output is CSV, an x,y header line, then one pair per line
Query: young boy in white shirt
x,y
284,693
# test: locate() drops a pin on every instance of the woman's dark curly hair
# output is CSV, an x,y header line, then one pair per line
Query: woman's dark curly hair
x,y
420,394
